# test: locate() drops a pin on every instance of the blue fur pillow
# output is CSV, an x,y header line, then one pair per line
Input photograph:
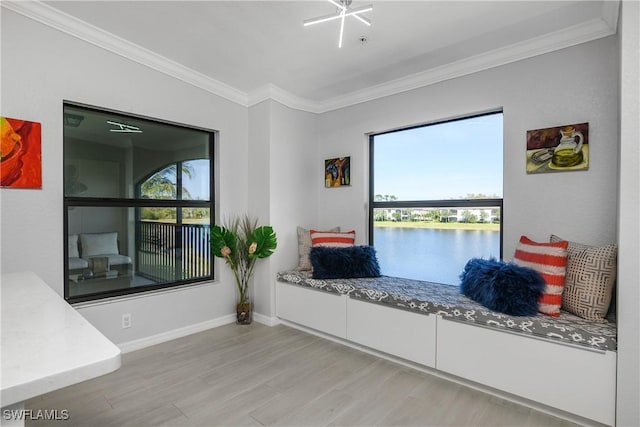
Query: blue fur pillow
x,y
344,263
504,287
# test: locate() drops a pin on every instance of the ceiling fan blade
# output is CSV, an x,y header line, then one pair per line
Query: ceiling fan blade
x,y
363,19
356,10
323,18
347,12
341,29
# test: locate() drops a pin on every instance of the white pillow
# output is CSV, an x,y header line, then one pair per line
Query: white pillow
x,y
99,244
73,246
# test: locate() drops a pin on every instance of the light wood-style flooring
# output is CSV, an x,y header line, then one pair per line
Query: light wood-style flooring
x,y
257,376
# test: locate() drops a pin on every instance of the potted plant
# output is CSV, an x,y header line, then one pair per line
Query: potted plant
x,y
241,243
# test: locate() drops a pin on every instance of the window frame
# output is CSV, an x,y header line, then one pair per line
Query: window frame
x,y
447,203
137,203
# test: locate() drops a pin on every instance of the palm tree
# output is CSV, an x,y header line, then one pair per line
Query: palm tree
x,y
162,184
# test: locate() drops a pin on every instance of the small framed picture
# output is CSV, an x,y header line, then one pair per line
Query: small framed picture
x,y
558,149
337,172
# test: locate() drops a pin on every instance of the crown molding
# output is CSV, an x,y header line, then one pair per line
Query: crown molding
x,y
581,33
591,30
275,93
611,13
79,29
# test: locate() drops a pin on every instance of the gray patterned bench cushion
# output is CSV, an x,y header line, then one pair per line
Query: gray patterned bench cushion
x,y
447,301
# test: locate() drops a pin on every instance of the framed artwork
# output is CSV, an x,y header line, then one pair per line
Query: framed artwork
x,y
20,154
558,149
337,172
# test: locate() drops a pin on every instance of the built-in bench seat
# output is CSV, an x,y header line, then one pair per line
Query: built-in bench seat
x,y
565,363
445,300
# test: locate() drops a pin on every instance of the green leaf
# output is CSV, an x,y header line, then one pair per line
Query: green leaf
x,y
266,241
221,237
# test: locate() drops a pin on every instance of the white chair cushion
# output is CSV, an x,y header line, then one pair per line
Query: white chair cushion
x,y
99,244
73,246
77,263
114,259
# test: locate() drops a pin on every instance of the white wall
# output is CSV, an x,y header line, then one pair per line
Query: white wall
x,y
574,85
41,67
282,144
259,192
628,396
293,202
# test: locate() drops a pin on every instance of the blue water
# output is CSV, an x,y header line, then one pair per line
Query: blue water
x,y
430,254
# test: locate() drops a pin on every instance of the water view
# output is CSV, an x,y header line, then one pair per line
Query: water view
x,y
432,254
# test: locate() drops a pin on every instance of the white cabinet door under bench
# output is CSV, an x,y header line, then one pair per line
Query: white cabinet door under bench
x,y
318,310
575,380
411,336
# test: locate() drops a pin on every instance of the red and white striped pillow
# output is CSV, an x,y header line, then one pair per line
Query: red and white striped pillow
x,y
335,239
550,260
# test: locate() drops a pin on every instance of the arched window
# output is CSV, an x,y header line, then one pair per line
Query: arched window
x,y
172,239
185,180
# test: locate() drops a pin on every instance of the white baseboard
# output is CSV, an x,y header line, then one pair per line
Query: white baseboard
x,y
141,343
266,320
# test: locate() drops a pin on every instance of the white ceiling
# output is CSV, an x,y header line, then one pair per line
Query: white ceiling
x,y
250,50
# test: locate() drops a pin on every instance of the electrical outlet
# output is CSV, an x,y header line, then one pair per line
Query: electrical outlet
x,y
126,320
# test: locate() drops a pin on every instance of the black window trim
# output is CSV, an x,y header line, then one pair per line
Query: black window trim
x,y
449,203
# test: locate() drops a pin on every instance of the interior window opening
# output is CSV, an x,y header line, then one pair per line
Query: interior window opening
x,y
137,205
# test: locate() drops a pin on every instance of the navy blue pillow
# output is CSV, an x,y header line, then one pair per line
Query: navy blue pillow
x,y
504,287
344,263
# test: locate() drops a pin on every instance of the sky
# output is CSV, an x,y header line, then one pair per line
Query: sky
x,y
198,184
443,161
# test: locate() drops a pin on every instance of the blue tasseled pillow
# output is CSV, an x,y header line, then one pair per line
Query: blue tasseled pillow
x,y
344,263
504,287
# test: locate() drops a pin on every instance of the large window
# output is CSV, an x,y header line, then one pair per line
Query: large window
x,y
137,205
436,197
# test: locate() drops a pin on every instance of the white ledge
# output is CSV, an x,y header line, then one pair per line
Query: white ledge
x,y
46,344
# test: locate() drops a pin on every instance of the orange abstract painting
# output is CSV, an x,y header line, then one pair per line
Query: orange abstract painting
x,y
20,154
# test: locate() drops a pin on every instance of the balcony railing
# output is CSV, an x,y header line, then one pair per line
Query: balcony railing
x,y
170,252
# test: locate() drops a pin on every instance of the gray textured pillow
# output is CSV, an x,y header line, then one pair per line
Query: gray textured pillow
x,y
590,279
304,247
